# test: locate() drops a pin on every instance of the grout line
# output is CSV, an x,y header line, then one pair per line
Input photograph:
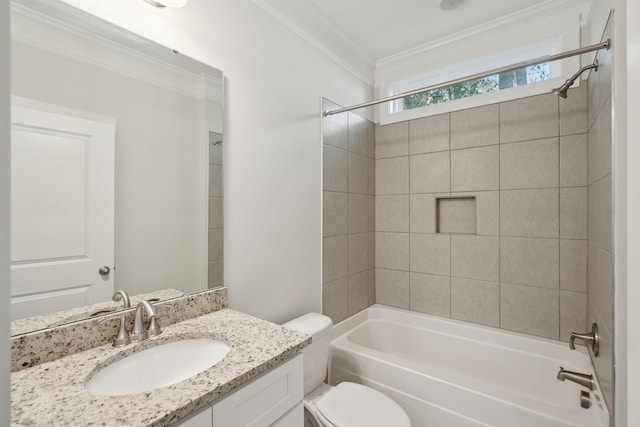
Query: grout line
x,y
559,226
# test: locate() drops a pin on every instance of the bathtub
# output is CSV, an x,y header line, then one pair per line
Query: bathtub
x,y
447,373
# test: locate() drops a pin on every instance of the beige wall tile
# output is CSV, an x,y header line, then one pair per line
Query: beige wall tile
x,y
429,173
334,213
430,294
475,169
593,225
372,287
422,212
603,364
358,252
487,211
604,287
357,136
216,181
334,128
475,257
372,250
592,282
573,265
605,212
573,111
573,314
358,213
392,288
529,213
334,255
527,261
475,127
335,299
371,170
392,251
216,249
334,169
358,292
392,140
392,213
372,213
429,134
216,274
216,212
358,172
392,176
475,301
371,140
529,164
456,215
573,160
573,213
529,118
430,253
530,310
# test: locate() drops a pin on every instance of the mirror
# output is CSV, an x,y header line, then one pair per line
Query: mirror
x,y
116,166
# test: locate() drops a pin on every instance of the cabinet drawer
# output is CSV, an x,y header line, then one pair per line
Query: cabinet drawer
x,y
264,400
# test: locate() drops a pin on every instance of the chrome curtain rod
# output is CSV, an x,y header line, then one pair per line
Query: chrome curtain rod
x,y
548,58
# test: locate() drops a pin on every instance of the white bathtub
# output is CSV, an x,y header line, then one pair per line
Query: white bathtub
x,y
449,373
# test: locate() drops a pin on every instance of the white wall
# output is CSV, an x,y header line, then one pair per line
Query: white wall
x,y
4,215
272,141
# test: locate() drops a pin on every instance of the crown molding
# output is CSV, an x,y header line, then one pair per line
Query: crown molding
x,y
493,27
311,24
111,48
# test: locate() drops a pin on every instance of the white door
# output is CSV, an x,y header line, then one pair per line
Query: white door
x,y
62,211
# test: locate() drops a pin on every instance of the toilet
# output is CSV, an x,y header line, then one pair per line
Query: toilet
x,y
347,404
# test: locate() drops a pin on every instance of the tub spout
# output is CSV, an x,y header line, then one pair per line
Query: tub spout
x,y
576,377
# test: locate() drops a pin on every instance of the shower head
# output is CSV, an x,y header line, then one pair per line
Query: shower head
x,y
562,90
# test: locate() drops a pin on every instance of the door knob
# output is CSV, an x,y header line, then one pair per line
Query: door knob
x,y
104,271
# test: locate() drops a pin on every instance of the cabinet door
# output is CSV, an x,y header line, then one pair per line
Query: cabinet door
x,y
264,400
204,418
293,418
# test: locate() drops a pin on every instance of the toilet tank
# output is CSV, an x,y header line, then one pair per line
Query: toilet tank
x,y
316,354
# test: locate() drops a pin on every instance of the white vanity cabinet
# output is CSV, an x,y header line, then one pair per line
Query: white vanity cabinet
x,y
272,399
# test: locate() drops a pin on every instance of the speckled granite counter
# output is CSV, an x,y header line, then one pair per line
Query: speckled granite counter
x,y
53,393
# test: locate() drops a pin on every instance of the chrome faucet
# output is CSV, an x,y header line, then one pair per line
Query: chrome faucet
x,y
576,377
122,295
140,333
123,337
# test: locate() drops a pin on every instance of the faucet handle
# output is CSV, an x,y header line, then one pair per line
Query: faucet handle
x,y
592,338
123,337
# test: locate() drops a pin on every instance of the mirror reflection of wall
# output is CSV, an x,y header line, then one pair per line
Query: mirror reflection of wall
x,y
163,106
216,208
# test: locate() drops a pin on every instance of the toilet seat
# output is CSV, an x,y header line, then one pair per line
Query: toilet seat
x,y
351,404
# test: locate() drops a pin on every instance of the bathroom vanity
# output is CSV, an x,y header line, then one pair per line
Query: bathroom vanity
x,y
258,381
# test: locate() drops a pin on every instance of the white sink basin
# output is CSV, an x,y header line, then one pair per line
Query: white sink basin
x,y
157,367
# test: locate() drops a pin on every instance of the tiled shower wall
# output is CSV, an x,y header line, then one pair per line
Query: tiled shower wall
x,y
481,215
216,207
348,214
600,247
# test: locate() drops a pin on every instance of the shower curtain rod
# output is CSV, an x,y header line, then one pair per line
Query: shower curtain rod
x,y
549,58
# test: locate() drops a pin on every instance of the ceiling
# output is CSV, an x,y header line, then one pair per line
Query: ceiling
x,y
385,27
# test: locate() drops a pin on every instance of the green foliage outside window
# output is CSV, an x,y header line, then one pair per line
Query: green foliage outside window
x,y
519,77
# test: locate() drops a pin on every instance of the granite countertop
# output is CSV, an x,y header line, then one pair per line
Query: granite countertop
x,y
28,324
53,393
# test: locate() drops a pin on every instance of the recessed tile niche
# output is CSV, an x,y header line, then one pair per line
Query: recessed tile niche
x,y
456,215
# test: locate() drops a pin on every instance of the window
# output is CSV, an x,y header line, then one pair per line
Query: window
x,y
520,77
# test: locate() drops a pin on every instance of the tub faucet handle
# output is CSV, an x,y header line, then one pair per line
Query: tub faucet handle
x,y
592,338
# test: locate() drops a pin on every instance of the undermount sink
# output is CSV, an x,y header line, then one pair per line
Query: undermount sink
x,y
157,367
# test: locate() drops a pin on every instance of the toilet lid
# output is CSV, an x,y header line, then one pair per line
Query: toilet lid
x,y
355,405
